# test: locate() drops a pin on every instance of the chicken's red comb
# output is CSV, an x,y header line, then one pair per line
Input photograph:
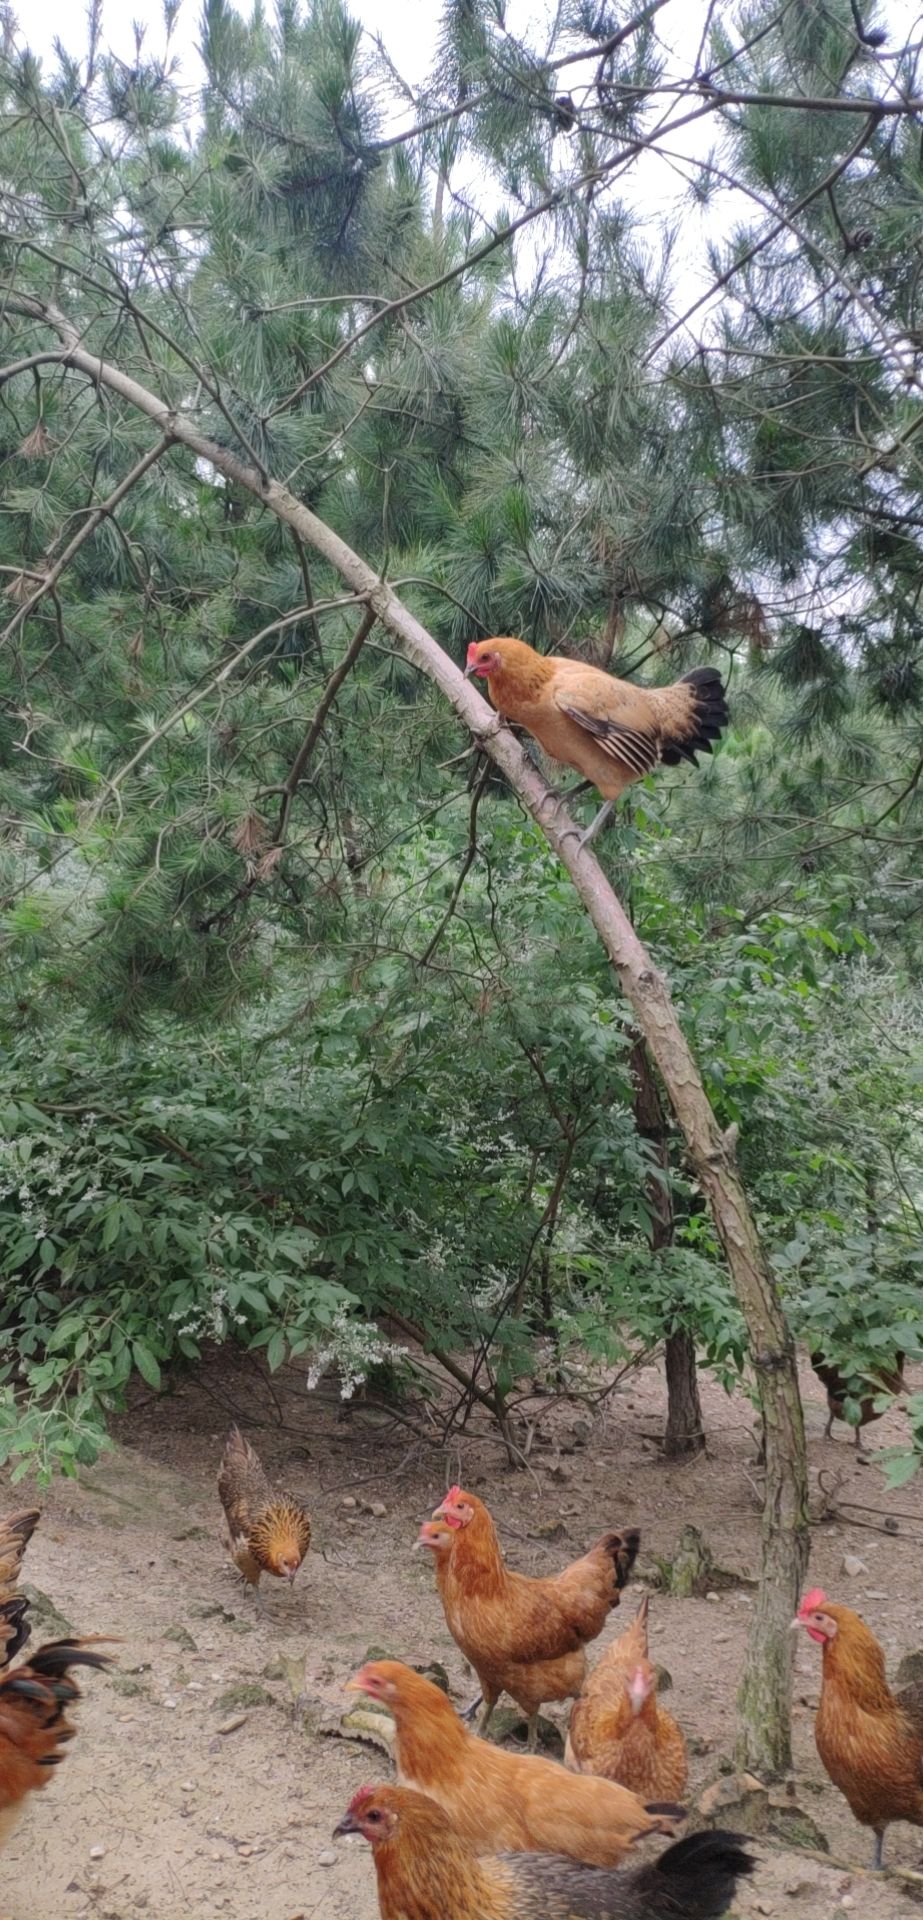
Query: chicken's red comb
x,y
472,651
359,1799
816,1598
454,1493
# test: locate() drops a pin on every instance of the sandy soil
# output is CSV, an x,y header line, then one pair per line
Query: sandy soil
x,y
158,1811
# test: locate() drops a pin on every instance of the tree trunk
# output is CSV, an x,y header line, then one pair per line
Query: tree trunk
x,y
764,1698
685,1429
684,1432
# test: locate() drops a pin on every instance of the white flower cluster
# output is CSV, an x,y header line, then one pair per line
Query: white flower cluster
x,y
209,1319
353,1347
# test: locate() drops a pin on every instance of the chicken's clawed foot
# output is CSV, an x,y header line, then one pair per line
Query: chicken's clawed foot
x,y
583,839
471,1712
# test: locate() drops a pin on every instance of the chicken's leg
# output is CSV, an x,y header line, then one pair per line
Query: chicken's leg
x,y
583,839
532,1739
486,1716
877,1849
561,794
471,1712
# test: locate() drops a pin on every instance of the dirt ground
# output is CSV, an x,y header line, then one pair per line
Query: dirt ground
x,y
158,1811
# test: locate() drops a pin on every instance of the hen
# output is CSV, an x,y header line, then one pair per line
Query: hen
x,y
425,1871
609,730
869,1739
618,1728
522,1636
268,1532
33,1727
838,1391
15,1534
497,1801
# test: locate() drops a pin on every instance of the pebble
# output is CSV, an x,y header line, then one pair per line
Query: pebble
x,y
349,1503
231,1726
245,1852
187,1786
169,1701
97,1853
328,1858
715,1598
847,1902
378,1509
872,1594
853,1566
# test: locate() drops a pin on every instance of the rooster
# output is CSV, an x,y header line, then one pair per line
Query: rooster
x,y
33,1728
523,1637
426,1871
869,1739
618,1728
609,730
838,1391
267,1532
498,1801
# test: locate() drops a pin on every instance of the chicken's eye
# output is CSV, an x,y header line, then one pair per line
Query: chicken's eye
x,y
373,1815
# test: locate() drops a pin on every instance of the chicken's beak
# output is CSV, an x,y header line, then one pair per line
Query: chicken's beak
x,y
795,1624
354,1686
346,1825
468,670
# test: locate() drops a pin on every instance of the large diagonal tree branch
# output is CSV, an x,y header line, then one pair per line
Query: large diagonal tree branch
x,y
765,1691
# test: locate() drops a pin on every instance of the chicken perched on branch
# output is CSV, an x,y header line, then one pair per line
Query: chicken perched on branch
x,y
609,730
268,1532
33,1727
889,1380
523,1637
502,1801
618,1728
869,1739
426,1872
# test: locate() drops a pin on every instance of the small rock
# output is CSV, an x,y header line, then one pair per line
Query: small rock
x,y
377,1509
97,1853
853,1566
245,1852
328,1858
187,1786
231,1726
847,1902
871,1593
169,1701
715,1598
751,1784
349,1503
764,1906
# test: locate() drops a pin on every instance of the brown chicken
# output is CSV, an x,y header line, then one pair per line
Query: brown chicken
x,y
426,1872
497,1801
33,1728
869,1739
15,1534
268,1532
523,1637
618,1728
609,730
837,1384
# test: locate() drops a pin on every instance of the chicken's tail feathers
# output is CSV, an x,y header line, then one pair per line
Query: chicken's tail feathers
x,y
622,1550
693,1880
14,1627
700,719
57,1656
667,1814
